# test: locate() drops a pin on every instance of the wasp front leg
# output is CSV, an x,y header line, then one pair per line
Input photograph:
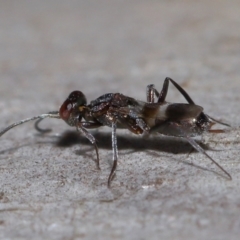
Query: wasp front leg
x,y
89,136
115,153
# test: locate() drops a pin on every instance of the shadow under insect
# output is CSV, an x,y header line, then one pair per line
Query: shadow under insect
x,y
158,144
136,143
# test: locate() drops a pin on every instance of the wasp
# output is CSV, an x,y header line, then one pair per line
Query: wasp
x,y
115,110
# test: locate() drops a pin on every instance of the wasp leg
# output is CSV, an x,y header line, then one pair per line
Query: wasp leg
x,y
151,92
92,139
115,153
180,89
163,94
142,124
139,122
91,125
201,150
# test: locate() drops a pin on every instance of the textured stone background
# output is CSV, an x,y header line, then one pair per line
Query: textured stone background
x,y
49,185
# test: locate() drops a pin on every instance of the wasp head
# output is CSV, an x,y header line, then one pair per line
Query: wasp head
x,y
73,107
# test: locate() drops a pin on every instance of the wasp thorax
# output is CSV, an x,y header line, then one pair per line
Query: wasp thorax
x,y
69,111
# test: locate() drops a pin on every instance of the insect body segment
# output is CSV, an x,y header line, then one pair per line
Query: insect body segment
x,y
71,109
115,110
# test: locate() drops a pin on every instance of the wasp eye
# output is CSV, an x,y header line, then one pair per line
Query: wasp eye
x,y
72,103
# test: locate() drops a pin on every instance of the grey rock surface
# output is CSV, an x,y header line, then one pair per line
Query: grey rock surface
x,y
49,185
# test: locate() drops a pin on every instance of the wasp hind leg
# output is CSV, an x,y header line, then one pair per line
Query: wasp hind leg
x,y
201,150
152,91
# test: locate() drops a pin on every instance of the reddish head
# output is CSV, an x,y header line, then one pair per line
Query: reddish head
x,y
70,111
